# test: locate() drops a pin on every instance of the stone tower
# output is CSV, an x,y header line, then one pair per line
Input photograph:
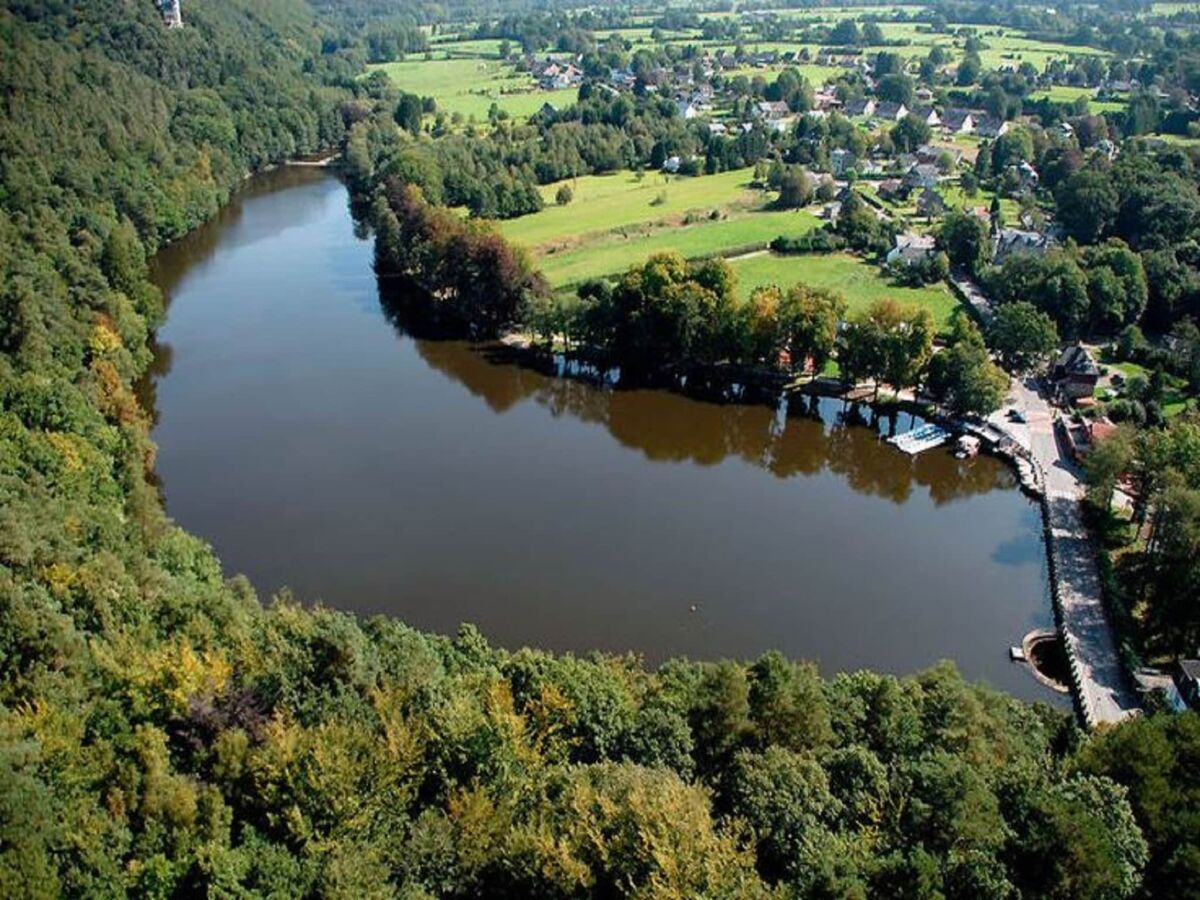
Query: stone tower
x,y
171,13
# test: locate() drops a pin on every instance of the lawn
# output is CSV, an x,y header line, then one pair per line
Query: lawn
x,y
1064,93
615,252
859,282
1175,397
471,86
604,202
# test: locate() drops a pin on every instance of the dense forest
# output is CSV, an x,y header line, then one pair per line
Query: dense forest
x,y
164,732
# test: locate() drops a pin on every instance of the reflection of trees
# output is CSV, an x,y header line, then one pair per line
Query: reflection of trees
x,y
228,227
817,434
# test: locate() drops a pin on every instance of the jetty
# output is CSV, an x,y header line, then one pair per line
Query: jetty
x,y
920,439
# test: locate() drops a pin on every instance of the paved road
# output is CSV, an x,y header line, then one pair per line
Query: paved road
x,y
1104,692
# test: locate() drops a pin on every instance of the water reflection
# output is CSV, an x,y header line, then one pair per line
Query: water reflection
x,y
803,435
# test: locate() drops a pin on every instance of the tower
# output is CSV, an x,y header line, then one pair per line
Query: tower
x,y
171,12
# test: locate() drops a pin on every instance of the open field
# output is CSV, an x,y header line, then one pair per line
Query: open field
x,y
615,253
859,282
604,202
471,86
1063,93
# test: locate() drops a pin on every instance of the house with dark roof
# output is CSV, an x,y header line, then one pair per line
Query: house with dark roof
x,y
958,121
930,203
1016,240
1075,374
922,175
864,106
891,112
991,127
926,114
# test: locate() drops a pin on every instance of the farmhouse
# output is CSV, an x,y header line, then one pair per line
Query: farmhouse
x,y
891,112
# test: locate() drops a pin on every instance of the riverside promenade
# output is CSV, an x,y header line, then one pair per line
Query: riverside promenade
x,y
1102,691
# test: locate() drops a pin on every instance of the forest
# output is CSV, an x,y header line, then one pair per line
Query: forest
x,y
164,731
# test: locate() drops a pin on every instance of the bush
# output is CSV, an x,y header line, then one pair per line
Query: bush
x,y
816,241
564,195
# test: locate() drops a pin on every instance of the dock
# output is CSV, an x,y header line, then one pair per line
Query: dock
x,y
920,439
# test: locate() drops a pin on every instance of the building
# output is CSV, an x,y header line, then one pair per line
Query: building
x,y
686,110
1027,176
931,153
841,161
773,111
911,249
991,127
958,121
922,175
1016,240
928,115
891,189
1075,375
1187,681
930,204
864,106
891,112
171,13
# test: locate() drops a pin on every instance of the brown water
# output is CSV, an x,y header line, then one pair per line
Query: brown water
x,y
318,446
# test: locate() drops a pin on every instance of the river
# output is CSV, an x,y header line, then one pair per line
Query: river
x,y
319,446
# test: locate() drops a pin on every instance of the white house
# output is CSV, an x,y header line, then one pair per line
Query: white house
x,y
911,249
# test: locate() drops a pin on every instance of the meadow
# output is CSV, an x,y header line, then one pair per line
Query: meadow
x,y
605,202
616,252
470,85
859,282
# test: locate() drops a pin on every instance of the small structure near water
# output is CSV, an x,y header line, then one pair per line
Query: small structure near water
x,y
920,439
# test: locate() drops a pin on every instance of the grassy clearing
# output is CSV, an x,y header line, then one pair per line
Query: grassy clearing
x,y
1175,396
859,282
615,252
1063,93
471,86
604,202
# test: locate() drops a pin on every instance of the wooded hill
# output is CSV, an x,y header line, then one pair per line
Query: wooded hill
x,y
163,733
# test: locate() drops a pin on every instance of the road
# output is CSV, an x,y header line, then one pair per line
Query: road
x,y
1103,692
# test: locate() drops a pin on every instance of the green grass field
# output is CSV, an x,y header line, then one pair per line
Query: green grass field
x,y
604,202
1063,93
470,86
614,253
859,282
